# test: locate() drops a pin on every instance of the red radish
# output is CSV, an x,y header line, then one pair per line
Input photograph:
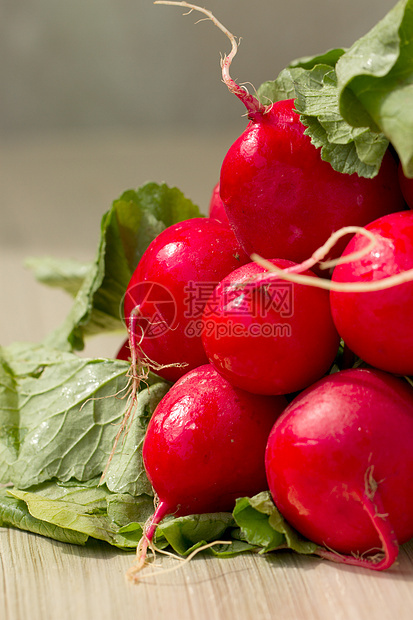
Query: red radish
x,y
282,200
205,446
339,464
269,337
166,295
216,206
406,185
377,325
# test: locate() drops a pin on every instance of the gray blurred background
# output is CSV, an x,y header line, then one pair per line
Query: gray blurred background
x,y
84,64
101,95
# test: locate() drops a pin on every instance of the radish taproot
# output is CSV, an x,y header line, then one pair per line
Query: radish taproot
x,y
281,199
377,325
166,295
205,446
339,464
269,336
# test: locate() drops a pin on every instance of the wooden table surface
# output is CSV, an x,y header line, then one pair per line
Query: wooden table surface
x,y
52,194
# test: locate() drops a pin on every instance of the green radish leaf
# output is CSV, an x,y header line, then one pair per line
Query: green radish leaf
x,y
127,229
59,416
73,511
262,525
375,81
143,213
284,87
84,511
9,420
348,149
66,274
185,534
126,473
330,58
15,513
255,526
355,102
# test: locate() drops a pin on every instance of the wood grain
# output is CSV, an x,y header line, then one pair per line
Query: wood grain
x,y
45,580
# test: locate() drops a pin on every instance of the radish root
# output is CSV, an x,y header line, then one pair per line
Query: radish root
x,y
139,370
293,274
372,504
254,107
133,574
147,542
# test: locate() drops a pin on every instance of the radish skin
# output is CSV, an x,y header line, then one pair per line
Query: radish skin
x,y
376,324
216,206
205,447
340,466
194,253
268,337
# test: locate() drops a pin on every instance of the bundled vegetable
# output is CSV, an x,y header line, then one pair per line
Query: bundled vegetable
x,y
221,452
340,466
204,447
189,258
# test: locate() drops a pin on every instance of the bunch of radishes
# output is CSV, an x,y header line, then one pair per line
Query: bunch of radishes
x,y
240,342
